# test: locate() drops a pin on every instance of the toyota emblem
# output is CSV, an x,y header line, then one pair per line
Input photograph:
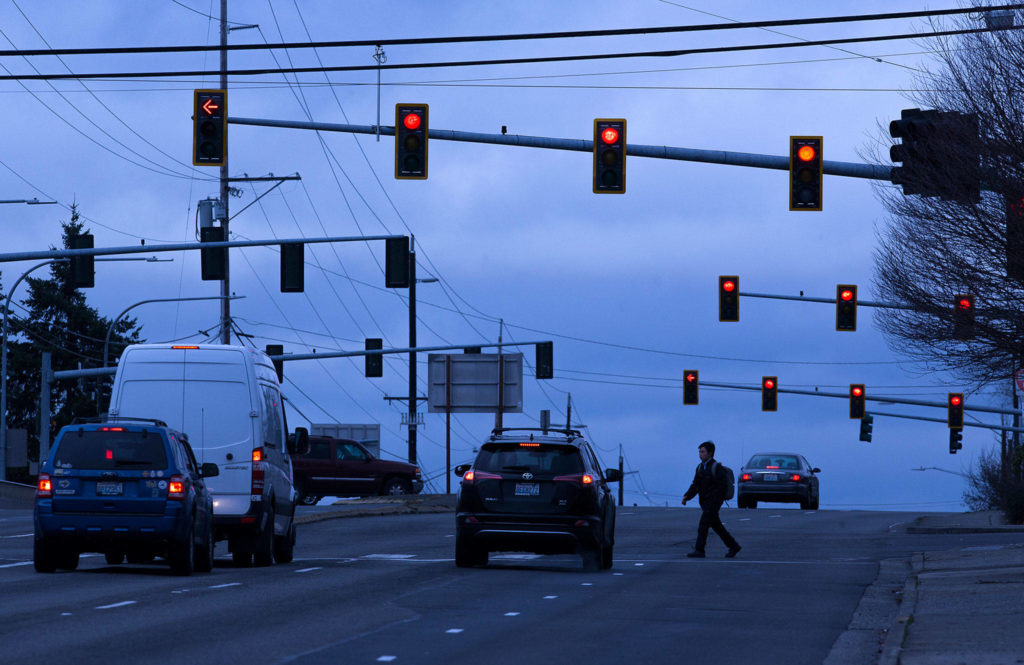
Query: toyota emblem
x,y
527,476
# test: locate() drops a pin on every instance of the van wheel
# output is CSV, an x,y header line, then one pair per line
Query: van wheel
x,y
396,486
284,546
44,557
67,560
182,555
263,554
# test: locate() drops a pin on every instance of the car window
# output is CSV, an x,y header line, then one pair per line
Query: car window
x,y
190,458
107,450
319,450
533,457
789,462
273,428
350,451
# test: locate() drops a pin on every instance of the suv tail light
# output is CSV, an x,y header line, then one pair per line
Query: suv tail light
x,y
176,488
258,475
579,479
44,490
473,476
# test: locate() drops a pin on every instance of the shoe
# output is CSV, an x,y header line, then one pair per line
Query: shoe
x,y
733,551
696,554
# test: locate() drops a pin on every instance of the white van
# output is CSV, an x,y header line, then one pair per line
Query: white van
x,y
228,400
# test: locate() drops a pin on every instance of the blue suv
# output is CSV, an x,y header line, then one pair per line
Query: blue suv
x,y
128,488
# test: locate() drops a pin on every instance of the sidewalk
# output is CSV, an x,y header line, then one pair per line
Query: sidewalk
x,y
964,605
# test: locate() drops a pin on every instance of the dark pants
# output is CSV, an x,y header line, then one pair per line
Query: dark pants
x,y
709,519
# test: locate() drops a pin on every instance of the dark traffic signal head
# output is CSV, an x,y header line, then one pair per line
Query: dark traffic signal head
x,y
955,410
805,169
277,350
210,128
857,398
955,436
292,268
1014,235
396,262
728,298
610,156
411,138
846,307
545,365
213,260
83,271
940,154
375,362
769,393
866,427
963,317
691,386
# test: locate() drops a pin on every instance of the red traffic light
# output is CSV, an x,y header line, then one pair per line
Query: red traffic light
x,y
210,107
856,391
412,121
769,384
846,294
955,400
610,135
965,303
729,286
691,377
806,153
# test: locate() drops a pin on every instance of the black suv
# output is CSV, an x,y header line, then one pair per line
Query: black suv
x,y
127,488
538,491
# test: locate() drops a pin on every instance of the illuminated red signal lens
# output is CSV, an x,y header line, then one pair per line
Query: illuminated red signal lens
x,y
806,153
691,378
769,384
965,303
729,286
857,392
955,400
610,135
846,294
412,121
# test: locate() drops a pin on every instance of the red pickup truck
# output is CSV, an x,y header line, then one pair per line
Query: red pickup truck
x,y
342,467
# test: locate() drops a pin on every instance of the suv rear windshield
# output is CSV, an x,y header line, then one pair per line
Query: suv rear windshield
x,y
773,461
105,450
534,457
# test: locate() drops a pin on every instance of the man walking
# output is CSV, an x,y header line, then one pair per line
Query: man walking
x,y
709,483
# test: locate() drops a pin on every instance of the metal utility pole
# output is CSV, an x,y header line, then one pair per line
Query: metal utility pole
x,y
225,285
412,353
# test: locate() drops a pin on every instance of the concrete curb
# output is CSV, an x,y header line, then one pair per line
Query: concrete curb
x,y
897,634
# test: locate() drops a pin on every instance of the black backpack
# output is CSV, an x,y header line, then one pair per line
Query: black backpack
x,y
730,481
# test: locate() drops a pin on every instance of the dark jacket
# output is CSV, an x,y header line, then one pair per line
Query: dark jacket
x,y
709,484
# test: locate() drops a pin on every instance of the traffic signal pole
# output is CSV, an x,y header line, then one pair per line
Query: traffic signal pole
x,y
777,162
225,188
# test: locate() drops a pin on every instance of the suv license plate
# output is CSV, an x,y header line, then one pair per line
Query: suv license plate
x,y
109,489
527,489
771,476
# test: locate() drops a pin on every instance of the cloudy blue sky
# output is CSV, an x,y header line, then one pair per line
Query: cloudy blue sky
x,y
625,286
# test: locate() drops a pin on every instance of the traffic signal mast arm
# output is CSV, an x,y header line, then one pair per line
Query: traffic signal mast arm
x,y
831,301
777,162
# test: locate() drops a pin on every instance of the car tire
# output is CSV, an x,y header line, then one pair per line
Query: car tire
x,y
284,546
467,556
114,558
607,559
309,499
396,487
805,504
182,555
592,558
67,560
263,555
814,503
204,552
44,557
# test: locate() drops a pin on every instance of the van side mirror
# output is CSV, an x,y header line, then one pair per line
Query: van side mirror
x,y
461,469
612,475
815,470
299,444
209,470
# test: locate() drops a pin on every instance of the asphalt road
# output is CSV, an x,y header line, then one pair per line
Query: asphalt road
x,y
385,589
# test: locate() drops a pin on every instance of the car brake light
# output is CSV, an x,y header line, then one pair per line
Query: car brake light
x,y
185,346
44,490
176,488
529,445
795,478
587,479
771,467
111,429
745,476
580,478
110,454
258,475
472,476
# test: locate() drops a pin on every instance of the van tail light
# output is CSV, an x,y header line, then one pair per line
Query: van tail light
x,y
44,490
258,475
579,478
176,488
473,476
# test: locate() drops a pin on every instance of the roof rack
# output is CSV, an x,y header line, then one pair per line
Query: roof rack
x,y
497,431
112,419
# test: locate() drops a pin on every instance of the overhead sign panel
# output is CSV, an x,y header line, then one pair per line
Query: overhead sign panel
x,y
468,383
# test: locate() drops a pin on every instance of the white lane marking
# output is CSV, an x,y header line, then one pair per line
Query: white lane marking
x,y
113,605
744,519
225,585
638,564
454,631
19,535
65,614
511,614
587,584
386,659
14,565
520,557
181,591
739,561
550,597
775,516
388,556
307,570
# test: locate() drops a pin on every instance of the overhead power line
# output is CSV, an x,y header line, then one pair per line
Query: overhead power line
x,y
505,61
619,32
